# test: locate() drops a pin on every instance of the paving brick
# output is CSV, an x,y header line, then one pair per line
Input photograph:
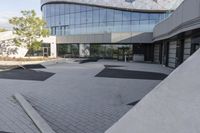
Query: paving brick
x,y
74,100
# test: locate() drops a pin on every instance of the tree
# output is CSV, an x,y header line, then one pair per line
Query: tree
x,y
2,30
28,28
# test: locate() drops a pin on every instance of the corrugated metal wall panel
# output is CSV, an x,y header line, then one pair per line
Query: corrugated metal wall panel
x,y
156,53
187,48
172,54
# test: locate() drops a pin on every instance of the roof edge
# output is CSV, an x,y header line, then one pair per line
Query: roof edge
x,y
44,2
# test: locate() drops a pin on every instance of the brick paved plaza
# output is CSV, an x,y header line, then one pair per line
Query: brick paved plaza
x,y
73,99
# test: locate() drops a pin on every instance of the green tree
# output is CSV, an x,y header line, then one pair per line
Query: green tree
x,y
29,28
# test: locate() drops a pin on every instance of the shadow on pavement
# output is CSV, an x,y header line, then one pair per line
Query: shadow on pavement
x,y
109,66
32,66
25,74
128,74
87,60
133,103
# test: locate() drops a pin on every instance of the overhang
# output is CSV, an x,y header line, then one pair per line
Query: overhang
x,y
185,18
107,38
141,5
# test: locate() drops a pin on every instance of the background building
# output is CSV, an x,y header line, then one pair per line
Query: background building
x,y
9,49
173,106
106,28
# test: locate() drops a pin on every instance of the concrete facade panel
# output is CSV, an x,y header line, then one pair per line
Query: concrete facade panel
x,y
185,18
185,57
156,53
107,38
150,5
98,38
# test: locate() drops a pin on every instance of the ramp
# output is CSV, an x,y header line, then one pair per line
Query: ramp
x,y
172,107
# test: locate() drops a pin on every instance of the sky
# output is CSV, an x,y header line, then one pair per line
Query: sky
x,y
11,8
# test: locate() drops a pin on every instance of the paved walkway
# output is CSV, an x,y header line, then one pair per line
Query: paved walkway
x,y
12,118
74,100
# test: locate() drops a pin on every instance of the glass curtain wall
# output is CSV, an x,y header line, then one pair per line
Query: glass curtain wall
x,y
73,19
68,50
111,51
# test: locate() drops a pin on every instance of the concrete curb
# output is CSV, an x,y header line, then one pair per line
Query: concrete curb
x,y
40,123
53,62
59,61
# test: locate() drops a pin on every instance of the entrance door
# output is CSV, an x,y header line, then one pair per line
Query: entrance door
x,y
122,53
45,51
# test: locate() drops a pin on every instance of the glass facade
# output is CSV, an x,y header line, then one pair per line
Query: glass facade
x,y
114,51
75,19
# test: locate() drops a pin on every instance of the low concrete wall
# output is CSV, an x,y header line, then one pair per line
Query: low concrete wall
x,y
172,107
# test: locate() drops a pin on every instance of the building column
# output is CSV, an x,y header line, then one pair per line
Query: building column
x,y
53,47
84,50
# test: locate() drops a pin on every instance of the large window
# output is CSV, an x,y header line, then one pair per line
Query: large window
x,y
65,19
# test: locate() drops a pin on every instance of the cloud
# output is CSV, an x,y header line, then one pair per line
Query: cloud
x,y
4,23
4,18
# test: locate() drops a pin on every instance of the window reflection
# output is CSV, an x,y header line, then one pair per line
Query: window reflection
x,y
65,19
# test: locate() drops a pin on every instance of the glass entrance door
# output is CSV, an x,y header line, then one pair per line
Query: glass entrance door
x,y
45,51
123,53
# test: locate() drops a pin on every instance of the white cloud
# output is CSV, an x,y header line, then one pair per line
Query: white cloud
x,y
4,18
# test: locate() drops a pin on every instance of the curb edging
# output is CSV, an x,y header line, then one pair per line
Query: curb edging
x,y
40,123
